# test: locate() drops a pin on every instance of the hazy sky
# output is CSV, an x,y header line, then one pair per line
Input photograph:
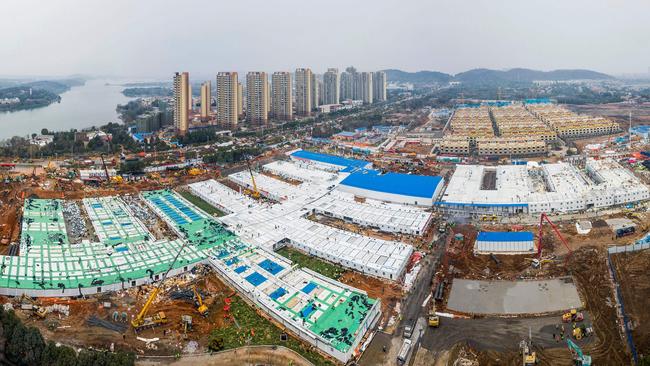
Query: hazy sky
x,y
154,38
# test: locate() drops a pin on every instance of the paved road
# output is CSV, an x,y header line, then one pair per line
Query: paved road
x,y
412,310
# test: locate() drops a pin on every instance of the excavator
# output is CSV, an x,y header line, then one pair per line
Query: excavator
x,y
579,358
50,169
255,193
201,307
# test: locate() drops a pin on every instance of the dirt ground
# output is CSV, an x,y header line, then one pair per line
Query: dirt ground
x,y
74,330
634,279
286,180
587,265
10,204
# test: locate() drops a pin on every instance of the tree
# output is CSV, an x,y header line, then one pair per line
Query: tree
x,y
20,345
25,347
54,355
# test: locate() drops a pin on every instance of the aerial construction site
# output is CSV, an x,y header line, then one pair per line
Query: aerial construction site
x,y
305,256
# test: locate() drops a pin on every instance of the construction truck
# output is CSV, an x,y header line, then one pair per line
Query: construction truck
x,y
573,316
434,320
579,358
142,321
117,179
200,306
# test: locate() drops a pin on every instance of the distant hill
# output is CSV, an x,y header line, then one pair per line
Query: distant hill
x,y
493,76
420,77
527,75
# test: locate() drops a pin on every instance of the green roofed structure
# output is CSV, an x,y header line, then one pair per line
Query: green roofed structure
x,y
325,313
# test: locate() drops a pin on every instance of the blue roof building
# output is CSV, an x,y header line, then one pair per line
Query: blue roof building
x,y
505,242
393,187
330,162
643,131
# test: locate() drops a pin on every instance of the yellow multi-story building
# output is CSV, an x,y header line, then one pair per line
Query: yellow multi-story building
x,y
454,145
505,146
471,123
182,102
206,99
571,125
514,121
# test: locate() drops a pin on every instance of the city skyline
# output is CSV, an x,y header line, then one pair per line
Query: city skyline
x,y
446,37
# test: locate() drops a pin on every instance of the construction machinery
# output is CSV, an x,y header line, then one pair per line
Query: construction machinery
x,y
255,193
194,172
489,218
50,169
142,321
117,179
186,322
108,178
529,357
434,320
573,316
200,306
579,358
543,217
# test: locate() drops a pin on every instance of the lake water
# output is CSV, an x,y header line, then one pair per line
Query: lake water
x,y
92,104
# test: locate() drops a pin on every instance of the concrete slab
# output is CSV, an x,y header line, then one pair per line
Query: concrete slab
x,y
513,297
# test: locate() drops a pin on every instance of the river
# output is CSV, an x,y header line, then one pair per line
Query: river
x,y
92,104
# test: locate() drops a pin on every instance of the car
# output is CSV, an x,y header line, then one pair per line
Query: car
x,y
408,331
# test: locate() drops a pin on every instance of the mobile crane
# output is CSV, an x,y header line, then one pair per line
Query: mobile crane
x,y
142,321
255,193
543,217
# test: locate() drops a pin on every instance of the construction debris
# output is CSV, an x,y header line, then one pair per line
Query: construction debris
x,y
97,322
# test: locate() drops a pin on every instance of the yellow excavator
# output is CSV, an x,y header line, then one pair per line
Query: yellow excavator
x,y
50,169
201,307
255,193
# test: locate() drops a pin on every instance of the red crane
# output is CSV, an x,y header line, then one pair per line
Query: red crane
x,y
541,233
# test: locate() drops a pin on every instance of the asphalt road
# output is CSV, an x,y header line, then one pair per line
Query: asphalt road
x,y
412,310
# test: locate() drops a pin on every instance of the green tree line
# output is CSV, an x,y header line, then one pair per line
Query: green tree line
x,y
25,346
